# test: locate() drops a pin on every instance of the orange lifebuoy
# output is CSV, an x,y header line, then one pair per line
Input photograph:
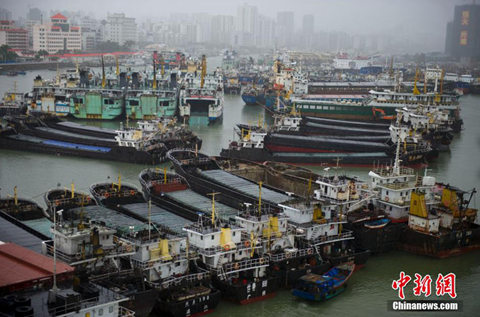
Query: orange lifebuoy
x,y
226,247
386,198
57,202
132,192
107,195
247,243
88,199
310,251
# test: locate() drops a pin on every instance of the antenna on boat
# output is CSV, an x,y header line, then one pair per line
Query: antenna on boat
x,y
15,196
73,189
154,84
117,71
260,198
149,218
213,206
52,297
204,71
164,175
103,74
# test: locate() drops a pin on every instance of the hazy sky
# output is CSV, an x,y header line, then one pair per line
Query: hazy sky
x,y
361,16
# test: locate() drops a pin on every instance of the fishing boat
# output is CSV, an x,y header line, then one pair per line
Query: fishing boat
x,y
377,223
440,222
201,99
261,146
235,261
319,288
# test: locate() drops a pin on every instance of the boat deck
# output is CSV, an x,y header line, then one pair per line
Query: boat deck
x,y
111,218
74,135
202,203
160,216
244,186
75,125
17,235
61,144
41,225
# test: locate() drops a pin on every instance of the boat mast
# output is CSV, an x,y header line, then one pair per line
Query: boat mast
x,y
103,74
213,206
260,198
204,71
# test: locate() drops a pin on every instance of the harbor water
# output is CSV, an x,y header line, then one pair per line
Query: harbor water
x,y
368,291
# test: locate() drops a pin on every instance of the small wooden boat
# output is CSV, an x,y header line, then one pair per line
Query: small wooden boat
x,y
318,288
377,223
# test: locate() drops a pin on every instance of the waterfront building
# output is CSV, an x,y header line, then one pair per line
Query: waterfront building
x,y
120,29
58,35
15,38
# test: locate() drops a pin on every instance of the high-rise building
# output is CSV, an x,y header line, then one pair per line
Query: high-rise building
x,y
308,24
34,14
463,34
285,27
308,29
120,29
16,38
222,28
246,25
5,14
58,35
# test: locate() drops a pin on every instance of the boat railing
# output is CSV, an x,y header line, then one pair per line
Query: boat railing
x,y
244,265
288,255
190,278
78,258
347,235
105,297
94,278
387,171
125,312
246,245
145,265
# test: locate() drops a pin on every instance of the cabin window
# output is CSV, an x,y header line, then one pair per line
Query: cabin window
x,y
233,234
386,193
177,263
201,237
213,237
108,101
133,102
110,309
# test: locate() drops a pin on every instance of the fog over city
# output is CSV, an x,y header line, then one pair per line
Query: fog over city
x,y
420,25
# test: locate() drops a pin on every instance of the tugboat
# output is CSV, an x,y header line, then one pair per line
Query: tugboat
x,y
319,288
238,268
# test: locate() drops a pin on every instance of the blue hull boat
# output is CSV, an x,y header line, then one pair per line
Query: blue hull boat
x,y
319,288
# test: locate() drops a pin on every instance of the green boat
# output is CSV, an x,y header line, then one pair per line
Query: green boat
x,y
377,106
98,105
150,104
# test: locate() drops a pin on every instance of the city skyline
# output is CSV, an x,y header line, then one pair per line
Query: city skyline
x,y
343,24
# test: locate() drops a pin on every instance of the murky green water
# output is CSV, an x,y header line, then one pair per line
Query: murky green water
x,y
369,289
